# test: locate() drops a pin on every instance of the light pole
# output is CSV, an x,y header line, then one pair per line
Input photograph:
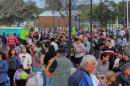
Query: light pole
x,y
101,13
117,19
70,30
91,23
124,21
79,20
127,15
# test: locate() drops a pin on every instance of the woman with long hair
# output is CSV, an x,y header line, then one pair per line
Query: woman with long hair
x,y
14,63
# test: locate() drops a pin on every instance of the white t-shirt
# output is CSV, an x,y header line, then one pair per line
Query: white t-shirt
x,y
94,80
26,60
78,48
55,45
116,63
29,41
122,33
113,42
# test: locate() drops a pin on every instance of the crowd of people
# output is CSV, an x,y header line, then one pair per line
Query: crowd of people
x,y
98,58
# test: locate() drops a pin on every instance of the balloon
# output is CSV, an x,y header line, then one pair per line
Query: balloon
x,y
24,75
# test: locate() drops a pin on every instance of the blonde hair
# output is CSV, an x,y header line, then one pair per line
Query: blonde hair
x,y
109,75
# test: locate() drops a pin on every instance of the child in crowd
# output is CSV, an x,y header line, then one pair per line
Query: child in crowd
x,y
20,77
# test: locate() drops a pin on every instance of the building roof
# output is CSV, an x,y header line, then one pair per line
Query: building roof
x,y
50,13
58,13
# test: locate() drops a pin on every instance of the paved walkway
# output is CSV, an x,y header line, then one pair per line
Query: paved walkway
x,y
32,81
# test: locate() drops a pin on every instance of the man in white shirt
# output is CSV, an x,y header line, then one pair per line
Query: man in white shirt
x,y
26,60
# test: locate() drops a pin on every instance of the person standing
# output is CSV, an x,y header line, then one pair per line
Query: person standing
x,y
26,60
14,63
4,41
3,71
118,59
109,49
79,50
87,44
62,71
102,65
124,77
51,51
36,64
12,41
82,76
20,77
125,59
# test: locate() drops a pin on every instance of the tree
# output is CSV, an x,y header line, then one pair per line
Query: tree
x,y
12,11
104,14
122,12
55,5
63,6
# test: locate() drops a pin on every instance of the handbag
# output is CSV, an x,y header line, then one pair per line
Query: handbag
x,y
53,66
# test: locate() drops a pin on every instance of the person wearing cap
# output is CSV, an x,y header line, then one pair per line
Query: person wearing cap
x,y
124,77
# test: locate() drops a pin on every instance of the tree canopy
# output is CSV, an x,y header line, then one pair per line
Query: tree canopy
x,y
12,11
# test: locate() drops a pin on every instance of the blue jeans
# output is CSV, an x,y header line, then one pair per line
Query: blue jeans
x,y
4,83
7,83
46,81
